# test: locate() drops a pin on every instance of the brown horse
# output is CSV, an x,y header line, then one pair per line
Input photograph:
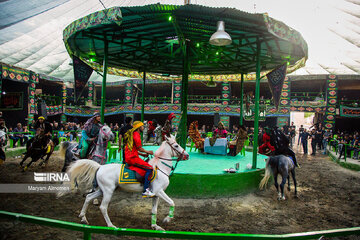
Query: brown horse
x,y
41,146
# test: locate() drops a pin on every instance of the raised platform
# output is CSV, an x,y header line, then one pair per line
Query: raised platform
x,y
203,176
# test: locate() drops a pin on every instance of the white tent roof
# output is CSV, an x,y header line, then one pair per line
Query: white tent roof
x,y
31,31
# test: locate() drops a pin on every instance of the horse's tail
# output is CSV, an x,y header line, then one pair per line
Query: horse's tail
x,y
63,147
265,179
82,174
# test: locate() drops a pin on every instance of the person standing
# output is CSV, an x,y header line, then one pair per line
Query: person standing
x,y
133,149
313,141
301,130
304,140
122,131
325,140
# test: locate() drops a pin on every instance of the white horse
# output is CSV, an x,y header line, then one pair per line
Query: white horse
x,y
107,176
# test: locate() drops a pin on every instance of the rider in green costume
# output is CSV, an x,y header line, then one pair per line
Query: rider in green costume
x,y
89,134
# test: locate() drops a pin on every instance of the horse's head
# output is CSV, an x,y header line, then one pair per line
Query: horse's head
x,y
176,149
106,134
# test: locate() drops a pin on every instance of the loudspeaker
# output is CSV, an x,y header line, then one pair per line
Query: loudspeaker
x,y
216,119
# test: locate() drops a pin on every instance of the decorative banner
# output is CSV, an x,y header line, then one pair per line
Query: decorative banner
x,y
225,120
177,92
15,74
128,92
91,86
225,93
285,97
34,78
250,113
276,80
349,111
331,100
82,73
64,96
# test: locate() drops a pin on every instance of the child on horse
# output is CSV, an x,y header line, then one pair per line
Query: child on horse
x,y
133,149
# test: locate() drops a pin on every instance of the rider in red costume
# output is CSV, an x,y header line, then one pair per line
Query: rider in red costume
x,y
133,149
266,142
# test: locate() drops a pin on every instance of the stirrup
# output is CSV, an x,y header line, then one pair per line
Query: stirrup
x,y
148,193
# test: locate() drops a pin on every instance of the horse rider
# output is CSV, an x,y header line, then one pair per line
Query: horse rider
x,y
89,134
42,127
167,128
133,149
281,143
152,126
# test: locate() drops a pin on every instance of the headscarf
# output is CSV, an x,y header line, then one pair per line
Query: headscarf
x,y
89,123
129,135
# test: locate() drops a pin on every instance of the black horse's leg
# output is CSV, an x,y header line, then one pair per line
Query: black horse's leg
x,y
294,179
32,160
282,184
288,178
276,182
25,157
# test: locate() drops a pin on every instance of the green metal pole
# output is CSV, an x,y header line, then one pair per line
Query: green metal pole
x,y
103,87
257,98
184,97
87,235
242,100
143,98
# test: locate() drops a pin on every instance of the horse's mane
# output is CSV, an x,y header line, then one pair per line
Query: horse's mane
x,y
155,160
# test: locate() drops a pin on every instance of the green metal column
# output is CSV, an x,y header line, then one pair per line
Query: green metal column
x,y
257,97
184,96
242,100
143,98
103,87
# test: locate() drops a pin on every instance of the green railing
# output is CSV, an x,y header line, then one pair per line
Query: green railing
x,y
88,230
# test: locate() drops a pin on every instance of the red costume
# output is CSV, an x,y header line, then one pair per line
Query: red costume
x,y
132,157
151,129
266,144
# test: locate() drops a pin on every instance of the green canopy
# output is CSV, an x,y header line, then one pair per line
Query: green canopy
x,y
150,38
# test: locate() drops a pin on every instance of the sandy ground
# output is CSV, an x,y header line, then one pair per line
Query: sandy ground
x,y
329,198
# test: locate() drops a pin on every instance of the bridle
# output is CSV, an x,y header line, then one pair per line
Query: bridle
x,y
180,156
107,139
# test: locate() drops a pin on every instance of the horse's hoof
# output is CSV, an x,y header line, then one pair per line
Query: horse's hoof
x,y
296,196
84,221
112,226
167,219
157,228
96,202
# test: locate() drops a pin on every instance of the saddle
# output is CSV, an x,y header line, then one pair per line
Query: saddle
x,y
129,176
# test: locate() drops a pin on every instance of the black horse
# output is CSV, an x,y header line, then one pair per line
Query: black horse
x,y
40,147
281,144
282,165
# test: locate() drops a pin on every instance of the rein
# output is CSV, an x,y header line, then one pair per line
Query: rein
x,y
180,156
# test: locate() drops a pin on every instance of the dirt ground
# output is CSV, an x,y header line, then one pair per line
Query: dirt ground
x,y
329,198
